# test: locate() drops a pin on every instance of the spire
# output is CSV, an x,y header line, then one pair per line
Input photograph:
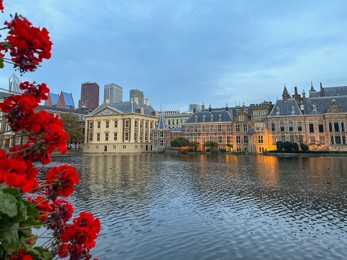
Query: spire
x,y
312,88
285,94
161,121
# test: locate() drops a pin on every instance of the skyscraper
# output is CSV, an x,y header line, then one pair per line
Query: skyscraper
x,y
89,96
113,93
137,93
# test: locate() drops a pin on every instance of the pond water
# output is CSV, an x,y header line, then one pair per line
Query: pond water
x,y
160,206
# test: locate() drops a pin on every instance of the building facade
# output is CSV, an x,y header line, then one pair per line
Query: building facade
x,y
161,135
120,128
89,96
174,118
113,93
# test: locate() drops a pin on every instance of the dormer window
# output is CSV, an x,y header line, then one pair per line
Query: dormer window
x,y
211,118
203,118
314,109
293,110
196,118
277,111
219,117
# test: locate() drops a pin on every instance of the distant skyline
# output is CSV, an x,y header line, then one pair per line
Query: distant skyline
x,y
183,52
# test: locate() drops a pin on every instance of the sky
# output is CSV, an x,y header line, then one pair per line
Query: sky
x,y
181,52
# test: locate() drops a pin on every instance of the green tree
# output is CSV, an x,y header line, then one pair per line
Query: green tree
x,y
194,145
211,145
180,142
72,127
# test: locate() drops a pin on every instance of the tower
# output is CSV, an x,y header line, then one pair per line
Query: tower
x,y
89,96
113,93
135,93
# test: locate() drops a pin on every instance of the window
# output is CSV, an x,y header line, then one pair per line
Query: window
x,y
237,128
228,128
259,126
256,114
228,140
337,139
312,139
311,127
336,127
116,123
245,127
282,126
291,126
135,123
220,139
241,118
211,128
260,139
300,138
342,127
90,136
161,142
245,139
331,139
135,136
203,129
98,137
273,127
330,127
291,138
238,139
322,139
321,128
126,136
115,135
161,134
106,136
283,138
195,129
107,124
219,128
99,124
126,123
299,126
91,124
263,114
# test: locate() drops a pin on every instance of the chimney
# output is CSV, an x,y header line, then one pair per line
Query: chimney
x,y
136,100
146,101
209,108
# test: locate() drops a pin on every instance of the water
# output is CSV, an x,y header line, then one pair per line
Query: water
x,y
158,206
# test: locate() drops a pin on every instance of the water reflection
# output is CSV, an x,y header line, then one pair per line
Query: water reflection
x,y
215,207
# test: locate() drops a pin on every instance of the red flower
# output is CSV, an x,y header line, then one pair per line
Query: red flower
x,y
29,44
43,206
21,255
17,173
1,6
39,92
63,209
63,178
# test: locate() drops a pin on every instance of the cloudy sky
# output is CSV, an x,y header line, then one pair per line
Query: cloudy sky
x,y
190,51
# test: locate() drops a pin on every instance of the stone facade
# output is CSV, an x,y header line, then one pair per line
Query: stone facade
x,y
120,128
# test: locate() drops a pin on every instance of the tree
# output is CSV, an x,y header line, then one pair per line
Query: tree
x,y
211,145
194,145
71,126
180,142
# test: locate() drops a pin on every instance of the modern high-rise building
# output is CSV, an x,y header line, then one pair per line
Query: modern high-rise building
x,y
137,94
113,93
89,96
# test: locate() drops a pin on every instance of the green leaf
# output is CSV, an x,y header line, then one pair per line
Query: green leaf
x,y
9,237
8,205
32,211
41,253
13,191
1,62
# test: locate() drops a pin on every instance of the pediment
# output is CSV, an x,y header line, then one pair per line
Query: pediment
x,y
107,111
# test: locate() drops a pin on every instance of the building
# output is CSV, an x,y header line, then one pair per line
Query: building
x,y
63,100
52,100
89,96
318,120
210,125
113,93
161,135
174,118
137,94
120,128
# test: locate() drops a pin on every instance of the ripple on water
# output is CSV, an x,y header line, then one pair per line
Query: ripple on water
x,y
215,207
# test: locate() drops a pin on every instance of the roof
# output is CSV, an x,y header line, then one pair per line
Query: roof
x,y
210,116
319,105
287,107
161,121
125,108
54,98
68,98
329,92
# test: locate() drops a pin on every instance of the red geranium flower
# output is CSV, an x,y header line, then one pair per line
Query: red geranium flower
x,y
62,179
29,44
